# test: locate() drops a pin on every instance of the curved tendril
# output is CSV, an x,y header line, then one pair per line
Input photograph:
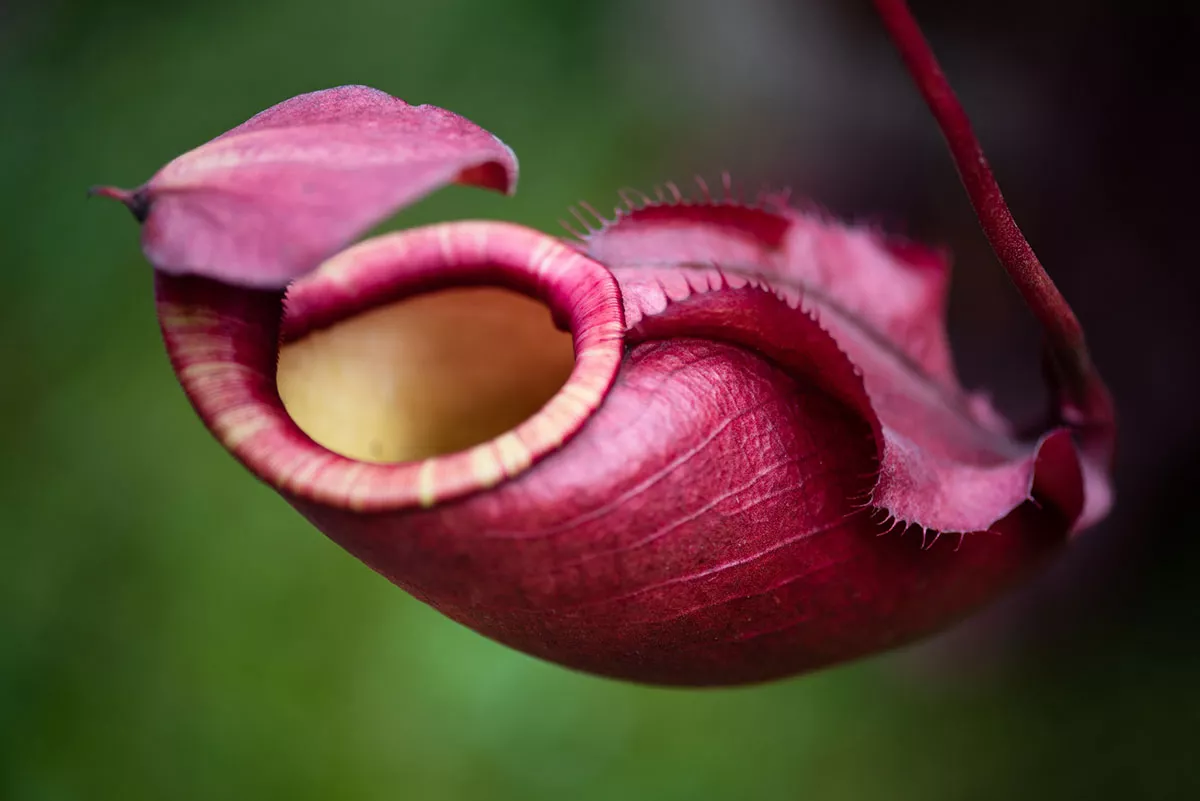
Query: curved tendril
x,y
1082,394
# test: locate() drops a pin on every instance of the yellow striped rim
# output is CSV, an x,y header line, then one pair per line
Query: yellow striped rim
x,y
223,342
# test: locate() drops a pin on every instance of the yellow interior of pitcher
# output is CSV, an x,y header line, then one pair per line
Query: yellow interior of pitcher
x,y
424,376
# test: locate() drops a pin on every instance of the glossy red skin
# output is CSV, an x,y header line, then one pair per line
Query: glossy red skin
x,y
706,526
674,547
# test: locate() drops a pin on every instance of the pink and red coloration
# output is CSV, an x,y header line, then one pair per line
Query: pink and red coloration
x,y
762,402
270,199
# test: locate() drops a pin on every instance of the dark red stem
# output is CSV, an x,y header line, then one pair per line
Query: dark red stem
x,y
1084,395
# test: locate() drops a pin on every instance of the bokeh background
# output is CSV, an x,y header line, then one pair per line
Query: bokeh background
x,y
169,629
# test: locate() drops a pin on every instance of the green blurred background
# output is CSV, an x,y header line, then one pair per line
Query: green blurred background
x,y
171,630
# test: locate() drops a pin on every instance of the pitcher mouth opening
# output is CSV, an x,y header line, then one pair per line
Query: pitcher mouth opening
x,y
425,376
409,370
